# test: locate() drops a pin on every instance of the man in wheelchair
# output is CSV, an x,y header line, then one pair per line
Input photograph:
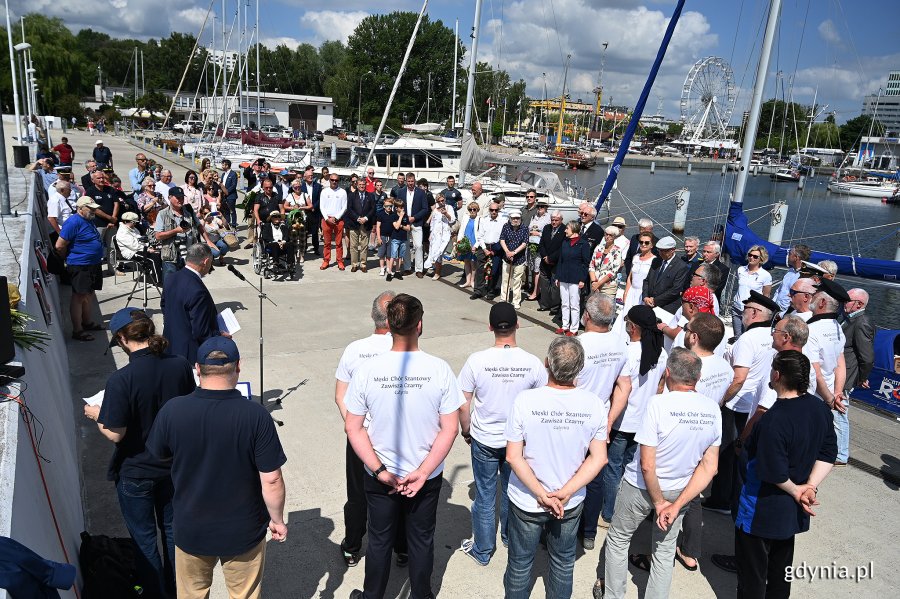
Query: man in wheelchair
x,y
279,246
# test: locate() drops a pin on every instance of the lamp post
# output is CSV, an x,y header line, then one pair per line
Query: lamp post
x,y
12,68
22,50
359,106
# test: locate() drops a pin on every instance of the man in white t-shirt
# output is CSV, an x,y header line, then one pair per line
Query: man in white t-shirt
x,y
751,359
621,241
605,356
356,354
490,380
800,295
556,444
679,437
645,365
412,400
60,203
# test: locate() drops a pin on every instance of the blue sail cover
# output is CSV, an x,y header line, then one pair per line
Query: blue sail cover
x,y
884,384
639,108
739,238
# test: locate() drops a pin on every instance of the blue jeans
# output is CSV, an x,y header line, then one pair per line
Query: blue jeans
x,y
525,530
487,462
399,249
220,250
842,430
620,452
146,506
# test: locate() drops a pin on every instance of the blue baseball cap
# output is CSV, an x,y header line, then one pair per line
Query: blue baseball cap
x,y
121,319
223,344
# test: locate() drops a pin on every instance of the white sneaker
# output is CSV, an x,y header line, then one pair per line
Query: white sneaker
x,y
381,272
466,547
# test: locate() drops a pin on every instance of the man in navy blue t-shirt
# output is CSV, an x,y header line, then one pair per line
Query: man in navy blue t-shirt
x,y
79,243
789,452
226,469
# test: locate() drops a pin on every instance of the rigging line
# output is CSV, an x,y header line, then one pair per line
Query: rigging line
x,y
562,59
842,232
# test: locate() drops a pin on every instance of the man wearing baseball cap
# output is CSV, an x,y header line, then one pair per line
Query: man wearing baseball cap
x,y
621,241
132,398
226,470
79,243
514,242
490,381
176,230
102,155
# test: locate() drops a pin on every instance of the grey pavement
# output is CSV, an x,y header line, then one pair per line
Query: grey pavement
x,y
304,336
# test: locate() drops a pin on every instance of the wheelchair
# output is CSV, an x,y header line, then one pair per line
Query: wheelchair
x,y
268,267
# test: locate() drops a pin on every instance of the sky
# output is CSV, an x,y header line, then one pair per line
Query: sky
x,y
824,47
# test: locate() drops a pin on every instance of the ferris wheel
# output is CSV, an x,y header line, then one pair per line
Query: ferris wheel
x,y
707,99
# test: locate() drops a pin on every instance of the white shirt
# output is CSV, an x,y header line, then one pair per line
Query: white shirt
x,y
405,393
359,351
748,281
804,315
557,426
642,387
824,346
333,202
58,207
163,188
487,231
604,360
622,243
410,194
128,240
496,376
716,375
752,350
276,234
681,425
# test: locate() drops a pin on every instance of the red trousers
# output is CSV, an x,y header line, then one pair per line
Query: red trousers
x,y
334,233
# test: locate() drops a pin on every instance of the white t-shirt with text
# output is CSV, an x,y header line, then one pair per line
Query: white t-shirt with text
x,y
716,375
752,350
359,351
557,427
496,376
681,425
604,361
642,388
405,393
824,346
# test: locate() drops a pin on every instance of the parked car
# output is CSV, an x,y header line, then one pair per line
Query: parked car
x,y
319,136
188,127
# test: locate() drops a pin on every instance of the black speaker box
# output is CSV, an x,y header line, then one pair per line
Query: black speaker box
x,y
7,347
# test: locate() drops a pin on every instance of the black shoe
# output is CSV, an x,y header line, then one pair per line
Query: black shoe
x,y
402,560
726,562
389,277
490,296
356,594
398,276
553,312
542,309
351,558
476,296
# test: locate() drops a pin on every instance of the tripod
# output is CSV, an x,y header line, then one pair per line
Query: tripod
x,y
262,296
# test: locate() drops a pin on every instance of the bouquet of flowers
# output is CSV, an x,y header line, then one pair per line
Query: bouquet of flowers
x,y
249,201
463,246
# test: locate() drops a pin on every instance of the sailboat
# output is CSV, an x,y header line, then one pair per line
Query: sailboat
x,y
738,236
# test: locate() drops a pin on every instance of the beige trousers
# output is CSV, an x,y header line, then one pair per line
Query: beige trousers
x,y
514,282
243,573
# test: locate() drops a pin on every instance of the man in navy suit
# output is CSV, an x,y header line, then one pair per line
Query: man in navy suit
x,y
229,183
663,285
313,189
416,204
189,313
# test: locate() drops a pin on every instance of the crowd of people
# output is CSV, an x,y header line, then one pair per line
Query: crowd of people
x,y
640,406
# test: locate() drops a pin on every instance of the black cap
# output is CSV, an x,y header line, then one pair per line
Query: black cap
x,y
503,317
834,290
177,192
758,298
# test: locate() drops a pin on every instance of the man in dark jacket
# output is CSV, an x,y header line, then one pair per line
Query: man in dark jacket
x,y
712,250
230,197
591,232
552,238
663,285
189,312
312,188
358,222
859,357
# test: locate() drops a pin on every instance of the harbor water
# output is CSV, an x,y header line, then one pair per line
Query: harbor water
x,y
824,221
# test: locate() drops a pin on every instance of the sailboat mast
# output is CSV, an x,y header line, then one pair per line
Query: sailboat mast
x,y
470,88
753,120
562,104
455,64
258,111
224,78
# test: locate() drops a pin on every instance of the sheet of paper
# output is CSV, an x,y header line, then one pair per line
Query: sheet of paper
x,y
664,315
94,400
228,322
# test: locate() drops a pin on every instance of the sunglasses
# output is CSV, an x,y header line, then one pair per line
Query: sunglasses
x,y
646,243
700,276
530,197
332,180
781,331
794,292
754,256
473,209
585,214
491,210
687,330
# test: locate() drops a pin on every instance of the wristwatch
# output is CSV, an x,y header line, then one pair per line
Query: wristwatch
x,y
375,473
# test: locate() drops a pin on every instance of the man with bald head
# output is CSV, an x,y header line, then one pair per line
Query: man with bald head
x,y
800,296
859,358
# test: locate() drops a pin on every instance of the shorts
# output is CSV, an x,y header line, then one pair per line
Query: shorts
x,y
384,250
397,246
86,278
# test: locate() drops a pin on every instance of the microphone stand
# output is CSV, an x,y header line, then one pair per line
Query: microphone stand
x,y
262,296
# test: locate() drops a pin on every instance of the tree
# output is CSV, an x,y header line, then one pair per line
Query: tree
x,y
825,135
377,45
68,106
855,129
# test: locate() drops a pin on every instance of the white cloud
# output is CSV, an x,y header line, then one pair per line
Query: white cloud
x,y
331,24
829,32
274,42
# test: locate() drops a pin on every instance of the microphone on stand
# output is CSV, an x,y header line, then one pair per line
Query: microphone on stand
x,y
236,272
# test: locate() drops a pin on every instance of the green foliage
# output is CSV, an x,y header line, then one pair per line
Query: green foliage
x,y
855,129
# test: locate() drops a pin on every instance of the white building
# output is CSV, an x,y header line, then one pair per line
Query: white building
x,y
216,57
306,113
885,107
881,153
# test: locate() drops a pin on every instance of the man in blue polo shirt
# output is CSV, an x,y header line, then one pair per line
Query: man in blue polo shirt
x,y
133,396
226,469
788,453
79,243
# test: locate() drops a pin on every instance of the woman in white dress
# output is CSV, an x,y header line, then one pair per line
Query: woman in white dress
x,y
752,277
442,216
640,268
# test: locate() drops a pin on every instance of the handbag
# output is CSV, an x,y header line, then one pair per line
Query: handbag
x,y
231,240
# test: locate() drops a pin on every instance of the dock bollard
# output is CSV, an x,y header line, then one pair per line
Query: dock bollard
x,y
689,168
681,207
779,217
801,181
723,170
653,168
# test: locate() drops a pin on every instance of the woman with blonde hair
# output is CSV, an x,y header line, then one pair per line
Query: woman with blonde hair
x,y
605,263
751,277
465,241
